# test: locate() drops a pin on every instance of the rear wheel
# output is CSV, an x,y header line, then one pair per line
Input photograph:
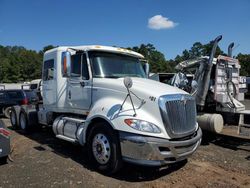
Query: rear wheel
x,y
7,111
104,148
23,120
13,119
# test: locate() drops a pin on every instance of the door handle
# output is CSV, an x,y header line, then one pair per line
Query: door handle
x,y
82,84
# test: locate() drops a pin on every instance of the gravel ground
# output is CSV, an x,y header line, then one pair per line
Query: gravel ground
x,y
41,160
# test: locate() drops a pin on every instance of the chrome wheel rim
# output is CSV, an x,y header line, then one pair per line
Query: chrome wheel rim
x,y
13,118
8,112
22,121
101,148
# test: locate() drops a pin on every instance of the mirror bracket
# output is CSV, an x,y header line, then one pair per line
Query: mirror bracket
x,y
146,68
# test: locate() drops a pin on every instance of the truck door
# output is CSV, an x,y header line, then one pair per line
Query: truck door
x,y
49,82
79,83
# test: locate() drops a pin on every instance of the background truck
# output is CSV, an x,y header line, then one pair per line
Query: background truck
x,y
218,89
11,97
100,97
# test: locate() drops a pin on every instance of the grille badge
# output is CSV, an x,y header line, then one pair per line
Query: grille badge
x,y
184,100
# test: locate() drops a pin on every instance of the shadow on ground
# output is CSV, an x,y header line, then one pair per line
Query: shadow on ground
x,y
225,141
132,173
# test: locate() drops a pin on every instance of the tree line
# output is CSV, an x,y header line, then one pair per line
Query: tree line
x,y
18,64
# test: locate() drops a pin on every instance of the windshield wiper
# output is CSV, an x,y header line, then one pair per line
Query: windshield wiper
x,y
106,76
110,76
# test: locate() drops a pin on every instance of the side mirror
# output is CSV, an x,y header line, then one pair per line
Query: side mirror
x,y
146,69
128,82
66,63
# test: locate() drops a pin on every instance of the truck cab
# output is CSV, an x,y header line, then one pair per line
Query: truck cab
x,y
101,97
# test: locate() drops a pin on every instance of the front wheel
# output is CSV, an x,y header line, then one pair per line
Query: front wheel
x,y
104,148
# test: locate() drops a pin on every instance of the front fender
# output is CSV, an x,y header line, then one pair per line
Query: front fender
x,y
109,109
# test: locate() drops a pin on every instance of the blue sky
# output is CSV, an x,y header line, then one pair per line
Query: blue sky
x,y
35,24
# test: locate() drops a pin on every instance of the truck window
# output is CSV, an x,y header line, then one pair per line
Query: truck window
x,y
78,63
75,65
85,72
48,70
112,65
15,94
33,86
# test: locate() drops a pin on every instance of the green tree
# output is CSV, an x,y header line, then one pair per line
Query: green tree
x,y
155,58
18,64
207,48
46,48
244,60
198,49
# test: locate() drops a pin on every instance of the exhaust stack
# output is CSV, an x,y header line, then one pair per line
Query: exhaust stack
x,y
230,50
203,82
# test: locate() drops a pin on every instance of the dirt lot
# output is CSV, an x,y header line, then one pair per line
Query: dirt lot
x,y
41,160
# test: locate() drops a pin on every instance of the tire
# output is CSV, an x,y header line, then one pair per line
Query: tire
x,y
23,121
13,119
7,111
104,148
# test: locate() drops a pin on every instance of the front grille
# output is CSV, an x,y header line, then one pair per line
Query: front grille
x,y
178,114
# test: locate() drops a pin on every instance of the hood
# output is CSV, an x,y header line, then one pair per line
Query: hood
x,y
141,86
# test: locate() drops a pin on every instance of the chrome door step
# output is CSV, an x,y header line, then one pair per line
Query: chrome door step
x,y
66,138
73,120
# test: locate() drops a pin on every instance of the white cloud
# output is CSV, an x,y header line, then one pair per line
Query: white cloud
x,y
159,22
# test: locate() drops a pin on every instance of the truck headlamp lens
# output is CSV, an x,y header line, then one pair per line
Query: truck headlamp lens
x,y
142,125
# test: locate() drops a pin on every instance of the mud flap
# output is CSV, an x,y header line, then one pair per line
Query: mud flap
x,y
33,118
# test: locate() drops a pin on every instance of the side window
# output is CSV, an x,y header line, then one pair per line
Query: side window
x,y
85,71
48,70
79,65
75,65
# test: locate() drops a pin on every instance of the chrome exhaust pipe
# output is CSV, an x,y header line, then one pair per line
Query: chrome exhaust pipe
x,y
230,50
205,78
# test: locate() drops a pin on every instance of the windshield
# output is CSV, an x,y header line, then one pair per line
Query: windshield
x,y
15,94
112,65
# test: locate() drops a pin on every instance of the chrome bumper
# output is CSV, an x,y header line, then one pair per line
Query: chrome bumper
x,y
151,151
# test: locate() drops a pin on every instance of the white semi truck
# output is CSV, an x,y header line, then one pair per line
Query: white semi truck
x,y
100,97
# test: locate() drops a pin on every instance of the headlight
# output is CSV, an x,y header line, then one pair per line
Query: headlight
x,y
142,125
